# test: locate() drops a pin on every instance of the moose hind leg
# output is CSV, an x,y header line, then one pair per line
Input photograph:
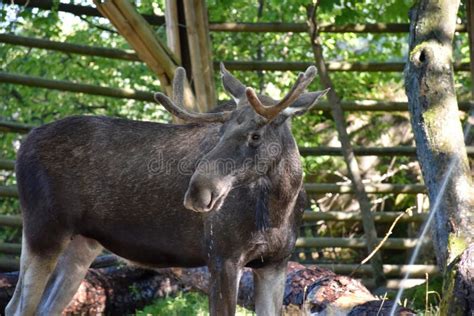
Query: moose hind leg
x,y
36,268
70,271
25,260
224,285
269,289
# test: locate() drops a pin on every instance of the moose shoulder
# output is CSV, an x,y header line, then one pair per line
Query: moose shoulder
x,y
223,190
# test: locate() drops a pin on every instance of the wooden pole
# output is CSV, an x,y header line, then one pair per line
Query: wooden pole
x,y
312,188
370,232
172,28
377,188
201,64
75,9
8,191
308,217
356,243
6,164
342,216
231,64
76,87
303,27
235,26
14,127
109,10
206,52
149,48
69,48
331,66
143,30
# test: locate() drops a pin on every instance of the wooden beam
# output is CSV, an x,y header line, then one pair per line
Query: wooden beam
x,y
379,217
110,10
367,151
378,105
14,127
76,9
205,47
76,87
11,220
301,242
10,248
308,217
139,34
8,191
380,188
391,270
355,243
394,284
8,264
332,66
278,27
235,26
6,164
275,27
234,65
172,28
201,65
311,188
112,53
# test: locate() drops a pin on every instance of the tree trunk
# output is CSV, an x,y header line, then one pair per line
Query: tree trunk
x,y
439,136
122,290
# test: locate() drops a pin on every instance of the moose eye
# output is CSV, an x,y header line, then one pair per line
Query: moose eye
x,y
255,137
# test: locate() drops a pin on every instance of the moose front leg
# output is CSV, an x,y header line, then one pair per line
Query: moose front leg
x,y
225,277
269,289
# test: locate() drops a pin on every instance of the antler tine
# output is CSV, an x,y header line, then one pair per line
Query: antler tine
x,y
270,112
176,106
178,86
190,117
255,102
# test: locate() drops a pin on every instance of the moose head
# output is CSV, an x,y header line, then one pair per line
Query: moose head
x,y
252,137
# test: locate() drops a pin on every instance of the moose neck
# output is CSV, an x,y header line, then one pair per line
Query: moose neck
x,y
284,177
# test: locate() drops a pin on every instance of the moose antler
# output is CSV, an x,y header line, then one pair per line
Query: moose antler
x,y
176,107
270,112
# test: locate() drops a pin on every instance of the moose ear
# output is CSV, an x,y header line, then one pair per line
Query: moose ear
x,y
232,85
304,103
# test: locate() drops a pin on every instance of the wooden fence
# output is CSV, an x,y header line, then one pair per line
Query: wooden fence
x,y
310,217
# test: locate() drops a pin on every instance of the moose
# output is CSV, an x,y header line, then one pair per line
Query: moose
x,y
222,190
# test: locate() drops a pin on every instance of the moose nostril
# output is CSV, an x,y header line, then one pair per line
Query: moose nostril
x,y
198,200
205,198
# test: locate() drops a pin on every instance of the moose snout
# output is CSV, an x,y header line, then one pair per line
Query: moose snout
x,y
198,200
204,194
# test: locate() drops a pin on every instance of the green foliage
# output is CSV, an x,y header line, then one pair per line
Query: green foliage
x,y
184,304
417,296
